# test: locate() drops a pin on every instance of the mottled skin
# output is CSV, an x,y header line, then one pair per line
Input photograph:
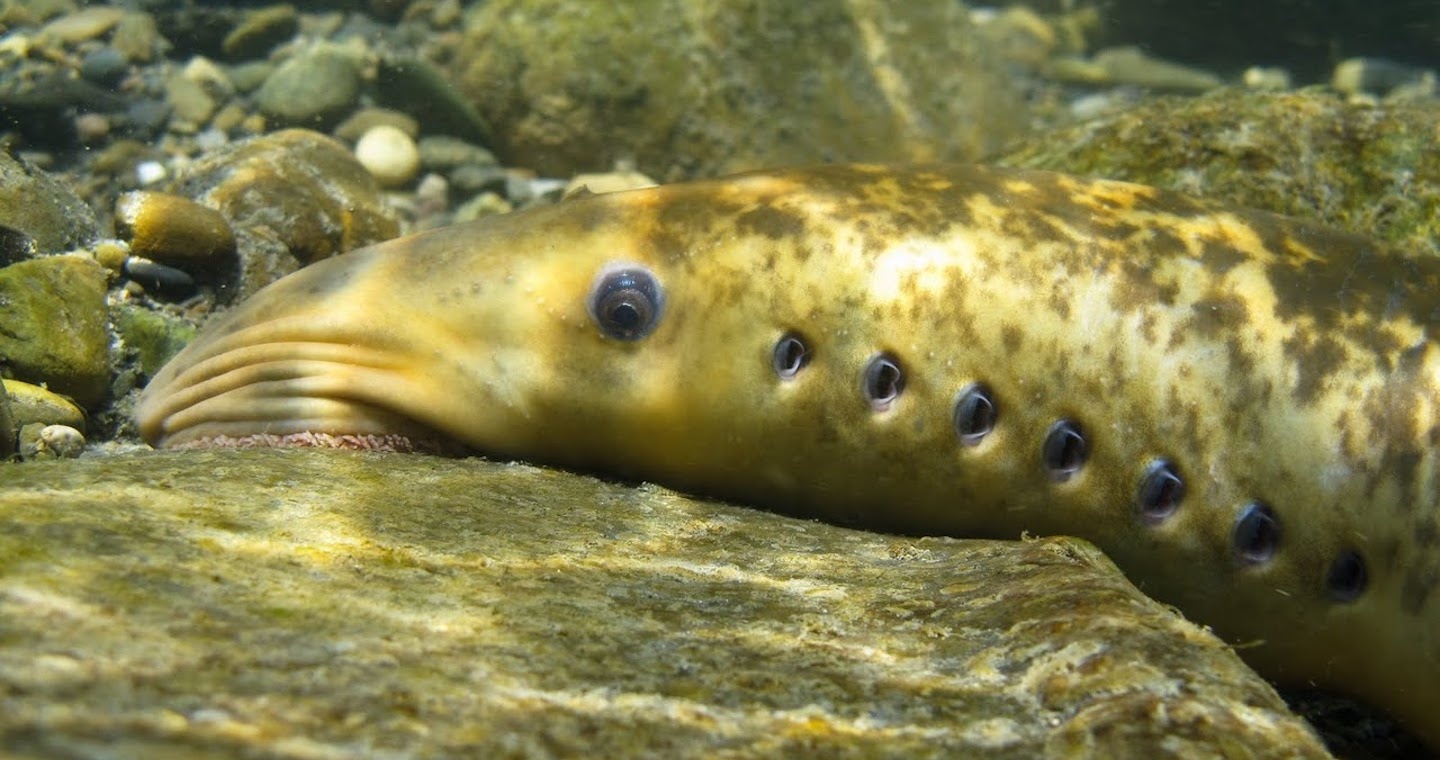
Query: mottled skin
x,y
1269,359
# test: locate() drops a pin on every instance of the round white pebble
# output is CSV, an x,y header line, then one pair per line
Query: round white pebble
x,y
150,172
389,154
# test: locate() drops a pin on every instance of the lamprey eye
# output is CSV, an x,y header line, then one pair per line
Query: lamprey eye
x,y
883,381
975,414
1347,578
1064,450
791,355
626,302
1256,536
1160,492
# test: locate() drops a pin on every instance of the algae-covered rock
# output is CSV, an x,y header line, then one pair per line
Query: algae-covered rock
x,y
1370,169
685,88
330,604
31,405
153,336
41,207
52,326
291,197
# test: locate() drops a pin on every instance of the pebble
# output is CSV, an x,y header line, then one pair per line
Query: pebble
x,y
470,179
174,230
91,128
82,25
315,88
1267,78
138,38
147,116
207,74
229,118
389,155
188,100
111,254
441,152
1130,65
1378,76
260,31
248,77
607,182
105,66
165,282
357,124
482,205
50,442
150,172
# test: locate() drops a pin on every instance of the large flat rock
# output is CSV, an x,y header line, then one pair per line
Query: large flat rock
x,y
329,604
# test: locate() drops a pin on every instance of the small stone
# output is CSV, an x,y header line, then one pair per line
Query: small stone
x,y
138,38
357,124
50,442
470,179
92,128
105,67
482,205
188,100
82,25
441,152
248,77
149,172
389,155
1267,78
315,88
147,116
432,195
608,182
31,405
260,31
1131,65
254,124
158,280
174,230
207,74
228,118
111,254
1379,76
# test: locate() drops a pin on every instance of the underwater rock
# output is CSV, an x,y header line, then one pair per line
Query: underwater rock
x,y
234,603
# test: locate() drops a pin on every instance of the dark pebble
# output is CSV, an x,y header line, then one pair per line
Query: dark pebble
x,y
159,280
105,67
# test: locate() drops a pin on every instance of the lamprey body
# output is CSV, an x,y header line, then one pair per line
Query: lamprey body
x,y
1241,409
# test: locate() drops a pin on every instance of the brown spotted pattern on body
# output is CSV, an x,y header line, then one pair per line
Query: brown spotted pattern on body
x,y
1241,409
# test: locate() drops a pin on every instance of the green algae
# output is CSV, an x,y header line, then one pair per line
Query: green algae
x,y
1365,168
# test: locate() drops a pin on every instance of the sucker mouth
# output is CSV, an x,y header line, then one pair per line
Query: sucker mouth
x,y
390,442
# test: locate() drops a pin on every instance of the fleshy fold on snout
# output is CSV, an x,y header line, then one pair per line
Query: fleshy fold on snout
x,y
283,392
